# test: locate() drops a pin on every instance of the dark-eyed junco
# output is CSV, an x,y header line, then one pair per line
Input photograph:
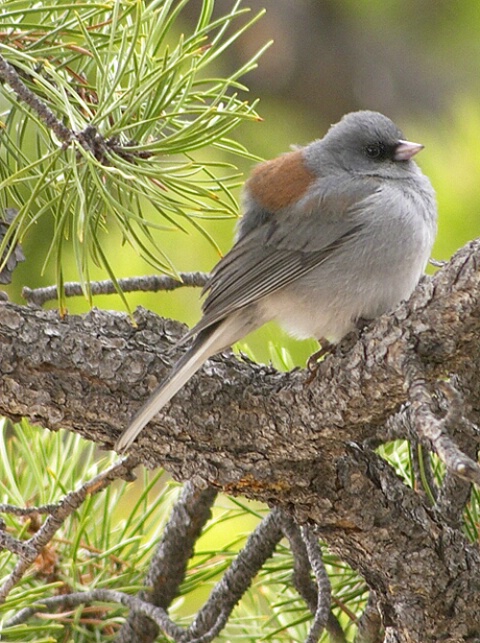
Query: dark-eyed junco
x,y
332,232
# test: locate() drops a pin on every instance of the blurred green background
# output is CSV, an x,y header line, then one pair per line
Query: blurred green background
x,y
417,61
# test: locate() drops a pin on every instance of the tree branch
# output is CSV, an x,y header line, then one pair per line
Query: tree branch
x,y
69,601
302,578
150,283
260,545
249,430
169,564
51,365
10,76
432,429
89,138
324,589
30,549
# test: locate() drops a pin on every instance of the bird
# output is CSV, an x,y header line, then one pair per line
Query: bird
x,y
333,232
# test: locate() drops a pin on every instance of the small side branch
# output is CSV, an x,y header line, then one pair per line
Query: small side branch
x,y
10,76
90,139
432,430
324,592
169,564
213,616
30,549
455,492
70,601
151,283
302,568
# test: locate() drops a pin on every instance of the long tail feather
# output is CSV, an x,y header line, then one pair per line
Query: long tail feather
x,y
207,343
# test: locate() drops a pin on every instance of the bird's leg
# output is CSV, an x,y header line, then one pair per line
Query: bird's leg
x,y
326,347
362,322
312,363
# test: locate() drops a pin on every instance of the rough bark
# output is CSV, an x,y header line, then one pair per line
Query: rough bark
x,y
247,429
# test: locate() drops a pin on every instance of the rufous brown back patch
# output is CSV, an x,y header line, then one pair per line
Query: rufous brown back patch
x,y
277,183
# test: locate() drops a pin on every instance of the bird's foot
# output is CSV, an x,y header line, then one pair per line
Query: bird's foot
x,y
312,363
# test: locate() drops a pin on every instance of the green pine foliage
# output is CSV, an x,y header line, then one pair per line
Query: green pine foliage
x,y
105,544
108,542
141,98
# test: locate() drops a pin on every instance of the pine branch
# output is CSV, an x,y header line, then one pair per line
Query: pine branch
x,y
169,563
433,430
303,582
119,132
324,590
260,545
306,450
30,549
149,283
10,76
74,599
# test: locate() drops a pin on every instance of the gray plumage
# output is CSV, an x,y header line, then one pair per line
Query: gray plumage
x,y
336,231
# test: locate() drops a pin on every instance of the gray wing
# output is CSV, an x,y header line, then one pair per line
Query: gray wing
x,y
266,259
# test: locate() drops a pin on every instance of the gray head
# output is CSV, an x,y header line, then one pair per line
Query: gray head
x,y
365,143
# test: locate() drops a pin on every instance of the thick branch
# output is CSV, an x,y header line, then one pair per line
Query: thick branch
x,y
90,373
248,429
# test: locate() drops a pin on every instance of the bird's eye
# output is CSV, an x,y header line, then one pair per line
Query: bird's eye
x,y
375,151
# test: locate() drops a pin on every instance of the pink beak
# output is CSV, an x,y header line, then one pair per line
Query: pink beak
x,y
405,150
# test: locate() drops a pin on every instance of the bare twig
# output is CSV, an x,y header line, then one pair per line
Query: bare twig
x,y
432,430
260,545
18,547
301,565
302,576
57,517
169,564
151,283
324,591
68,601
28,511
10,76
370,628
